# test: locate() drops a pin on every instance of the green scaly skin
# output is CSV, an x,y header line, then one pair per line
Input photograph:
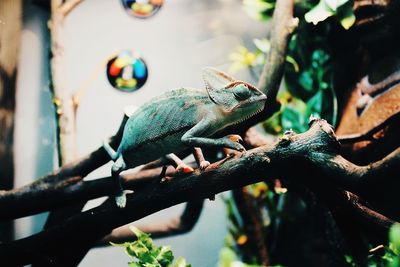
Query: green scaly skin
x,y
182,118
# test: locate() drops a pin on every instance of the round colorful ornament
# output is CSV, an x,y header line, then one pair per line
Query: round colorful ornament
x,y
142,8
127,72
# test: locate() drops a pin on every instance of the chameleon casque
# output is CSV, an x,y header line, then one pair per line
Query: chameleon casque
x,y
182,118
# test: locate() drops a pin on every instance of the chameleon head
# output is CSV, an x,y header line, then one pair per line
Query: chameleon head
x,y
236,99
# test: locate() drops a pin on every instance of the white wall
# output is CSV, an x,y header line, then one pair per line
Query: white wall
x,y
176,43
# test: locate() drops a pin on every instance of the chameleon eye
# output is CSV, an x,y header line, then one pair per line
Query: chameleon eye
x,y
241,91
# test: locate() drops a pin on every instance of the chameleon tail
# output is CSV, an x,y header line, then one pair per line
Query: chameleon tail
x,y
110,151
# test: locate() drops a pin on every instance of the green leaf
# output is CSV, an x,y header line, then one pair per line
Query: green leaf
x,y
226,257
319,13
259,9
314,104
264,45
327,8
181,262
135,249
306,80
294,63
146,254
335,4
394,236
142,237
346,16
164,255
293,119
348,21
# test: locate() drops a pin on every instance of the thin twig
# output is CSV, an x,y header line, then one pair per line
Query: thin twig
x,y
68,6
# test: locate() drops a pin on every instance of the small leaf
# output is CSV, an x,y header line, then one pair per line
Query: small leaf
x,y
306,80
319,13
181,262
346,16
394,235
349,21
142,237
165,256
259,9
226,257
335,4
293,119
294,63
137,232
264,45
314,104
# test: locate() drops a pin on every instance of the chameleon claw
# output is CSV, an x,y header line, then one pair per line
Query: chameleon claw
x,y
235,138
204,164
183,168
188,170
120,200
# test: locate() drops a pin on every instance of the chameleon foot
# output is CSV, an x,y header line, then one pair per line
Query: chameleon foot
x,y
183,168
234,141
235,138
199,157
204,164
120,200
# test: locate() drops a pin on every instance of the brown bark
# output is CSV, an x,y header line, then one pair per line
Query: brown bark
x,y
314,150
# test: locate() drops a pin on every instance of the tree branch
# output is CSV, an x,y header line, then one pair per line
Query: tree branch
x,y
283,27
315,149
369,135
68,6
67,187
67,175
175,226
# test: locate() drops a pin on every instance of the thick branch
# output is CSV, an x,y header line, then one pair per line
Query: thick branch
x,y
67,187
283,26
69,174
316,149
369,135
175,226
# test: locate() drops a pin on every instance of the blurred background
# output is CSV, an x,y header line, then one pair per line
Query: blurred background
x,y
175,43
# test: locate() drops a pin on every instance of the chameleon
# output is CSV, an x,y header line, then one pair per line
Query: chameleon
x,y
184,118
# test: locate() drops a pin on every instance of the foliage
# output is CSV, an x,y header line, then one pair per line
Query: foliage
x,y
308,88
228,258
389,256
239,249
342,10
145,254
259,9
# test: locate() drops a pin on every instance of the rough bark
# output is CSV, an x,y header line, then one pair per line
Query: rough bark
x,y
316,150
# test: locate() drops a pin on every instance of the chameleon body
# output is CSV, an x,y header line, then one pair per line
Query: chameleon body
x,y
184,118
